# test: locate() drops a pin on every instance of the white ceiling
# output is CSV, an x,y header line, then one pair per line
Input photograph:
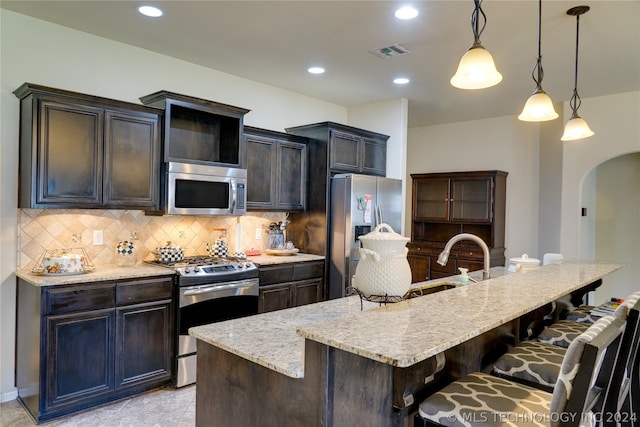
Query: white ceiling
x,y
274,42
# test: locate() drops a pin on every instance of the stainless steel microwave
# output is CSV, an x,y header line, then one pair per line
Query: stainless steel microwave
x,y
196,189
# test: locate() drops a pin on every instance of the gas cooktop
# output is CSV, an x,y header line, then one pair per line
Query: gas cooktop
x,y
204,265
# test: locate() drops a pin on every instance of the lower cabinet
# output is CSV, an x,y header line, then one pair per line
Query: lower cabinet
x,y
290,285
82,345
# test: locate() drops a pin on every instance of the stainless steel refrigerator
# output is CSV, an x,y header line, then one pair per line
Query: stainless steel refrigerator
x,y
358,204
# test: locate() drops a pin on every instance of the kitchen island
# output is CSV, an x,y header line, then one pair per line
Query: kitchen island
x,y
335,364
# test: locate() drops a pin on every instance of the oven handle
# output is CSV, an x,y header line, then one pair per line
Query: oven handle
x,y
197,294
212,289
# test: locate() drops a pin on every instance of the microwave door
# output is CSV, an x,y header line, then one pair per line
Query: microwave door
x,y
189,195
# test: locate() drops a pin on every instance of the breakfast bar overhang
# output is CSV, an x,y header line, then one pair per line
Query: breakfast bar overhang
x,y
348,362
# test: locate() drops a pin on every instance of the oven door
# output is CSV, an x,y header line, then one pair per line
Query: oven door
x,y
209,303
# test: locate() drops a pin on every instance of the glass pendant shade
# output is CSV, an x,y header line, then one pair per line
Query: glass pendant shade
x,y
538,108
476,70
576,128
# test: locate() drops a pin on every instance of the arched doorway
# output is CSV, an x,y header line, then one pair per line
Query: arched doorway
x,y
613,190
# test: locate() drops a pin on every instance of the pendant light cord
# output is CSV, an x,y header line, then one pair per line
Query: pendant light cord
x,y
538,66
475,22
575,98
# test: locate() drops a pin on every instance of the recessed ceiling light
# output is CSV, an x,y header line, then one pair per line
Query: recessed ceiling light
x,y
401,80
406,12
316,70
151,11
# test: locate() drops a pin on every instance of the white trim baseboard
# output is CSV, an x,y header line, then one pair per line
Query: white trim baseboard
x,y
11,395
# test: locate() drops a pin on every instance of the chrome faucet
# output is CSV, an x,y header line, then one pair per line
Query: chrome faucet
x,y
444,256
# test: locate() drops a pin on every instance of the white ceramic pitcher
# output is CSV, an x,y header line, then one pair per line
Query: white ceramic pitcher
x,y
383,269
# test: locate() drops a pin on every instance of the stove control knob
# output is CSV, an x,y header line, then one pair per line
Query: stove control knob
x,y
187,270
196,268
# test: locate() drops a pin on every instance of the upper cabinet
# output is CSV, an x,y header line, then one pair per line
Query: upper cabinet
x,y
276,166
461,198
351,150
198,130
83,151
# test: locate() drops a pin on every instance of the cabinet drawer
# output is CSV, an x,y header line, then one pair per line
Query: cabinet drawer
x,y
276,274
137,291
308,270
471,253
416,249
79,297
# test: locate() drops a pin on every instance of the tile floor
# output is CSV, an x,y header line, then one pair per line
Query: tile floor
x,y
165,407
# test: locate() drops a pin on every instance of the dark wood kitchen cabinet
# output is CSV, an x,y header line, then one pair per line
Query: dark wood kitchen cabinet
x,y
290,285
81,345
333,148
276,166
83,151
446,204
350,149
197,130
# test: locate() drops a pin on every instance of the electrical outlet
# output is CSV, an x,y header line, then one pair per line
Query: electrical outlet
x,y
98,237
258,233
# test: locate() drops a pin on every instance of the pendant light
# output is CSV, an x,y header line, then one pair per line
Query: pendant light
x,y
576,127
476,69
539,107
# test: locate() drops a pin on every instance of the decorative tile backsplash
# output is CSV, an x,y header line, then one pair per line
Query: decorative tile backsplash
x,y
46,229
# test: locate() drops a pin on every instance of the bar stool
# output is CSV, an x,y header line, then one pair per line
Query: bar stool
x,y
562,332
622,403
538,364
481,399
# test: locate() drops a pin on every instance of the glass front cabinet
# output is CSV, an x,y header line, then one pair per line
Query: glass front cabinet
x,y
446,204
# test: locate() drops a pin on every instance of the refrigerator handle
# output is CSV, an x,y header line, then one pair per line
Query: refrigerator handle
x,y
378,215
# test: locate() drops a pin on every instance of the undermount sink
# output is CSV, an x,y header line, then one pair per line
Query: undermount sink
x,y
430,289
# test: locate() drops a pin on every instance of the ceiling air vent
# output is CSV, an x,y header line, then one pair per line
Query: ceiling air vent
x,y
389,51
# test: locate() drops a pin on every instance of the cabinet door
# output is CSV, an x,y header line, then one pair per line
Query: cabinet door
x,y
131,160
345,152
69,169
374,157
274,297
419,268
307,292
471,200
79,357
261,172
291,175
143,343
431,199
470,264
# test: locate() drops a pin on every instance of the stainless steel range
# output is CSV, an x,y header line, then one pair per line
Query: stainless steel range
x,y
210,290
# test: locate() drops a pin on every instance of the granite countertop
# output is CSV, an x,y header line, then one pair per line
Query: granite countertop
x,y
141,269
283,259
101,273
399,334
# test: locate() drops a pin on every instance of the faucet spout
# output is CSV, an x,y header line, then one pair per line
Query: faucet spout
x,y
444,255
